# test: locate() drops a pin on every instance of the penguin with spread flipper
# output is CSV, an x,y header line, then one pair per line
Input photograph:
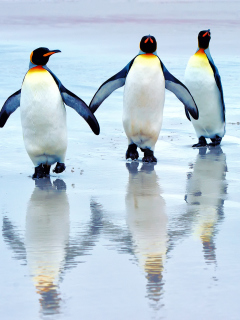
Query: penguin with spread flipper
x,y
145,78
41,100
203,80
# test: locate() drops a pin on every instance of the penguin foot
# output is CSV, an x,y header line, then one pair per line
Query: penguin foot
x,y
132,152
39,172
215,141
46,169
148,156
201,143
60,167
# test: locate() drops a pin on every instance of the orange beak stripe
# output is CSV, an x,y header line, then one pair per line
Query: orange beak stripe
x,y
48,54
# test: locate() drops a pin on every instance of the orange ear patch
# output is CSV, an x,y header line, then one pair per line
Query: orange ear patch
x,y
206,33
151,40
31,57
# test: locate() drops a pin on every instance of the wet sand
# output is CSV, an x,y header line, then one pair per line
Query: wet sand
x,y
110,239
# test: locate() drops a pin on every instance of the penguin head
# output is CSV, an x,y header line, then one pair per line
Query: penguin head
x,y
40,56
204,39
148,44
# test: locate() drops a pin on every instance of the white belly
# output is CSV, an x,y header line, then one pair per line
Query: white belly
x,y
199,79
143,101
43,117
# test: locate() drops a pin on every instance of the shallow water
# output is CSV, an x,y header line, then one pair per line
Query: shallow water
x,y
110,239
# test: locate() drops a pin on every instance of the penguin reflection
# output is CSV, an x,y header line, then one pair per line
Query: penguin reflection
x,y
147,222
48,249
47,234
206,189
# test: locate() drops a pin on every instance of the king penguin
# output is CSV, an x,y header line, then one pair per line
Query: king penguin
x,y
145,78
43,115
203,80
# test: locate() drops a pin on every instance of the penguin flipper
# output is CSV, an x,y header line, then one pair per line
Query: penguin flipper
x,y
187,114
10,105
113,83
73,101
217,79
181,92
